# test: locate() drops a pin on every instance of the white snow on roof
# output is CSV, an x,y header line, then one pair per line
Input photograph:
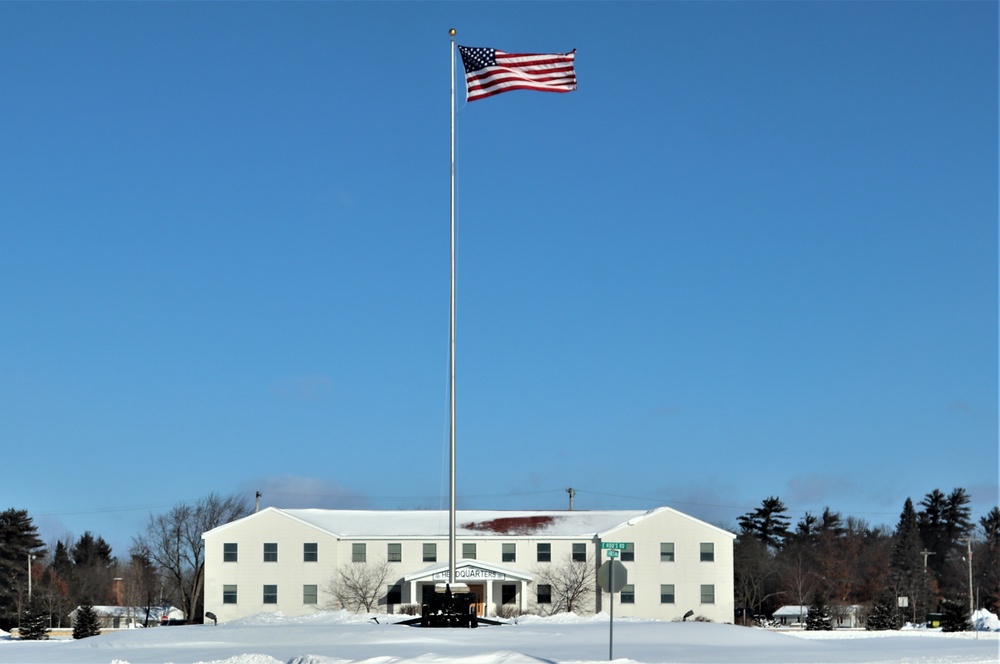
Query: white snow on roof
x,y
155,612
478,523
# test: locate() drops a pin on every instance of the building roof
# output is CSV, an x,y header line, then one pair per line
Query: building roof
x,y
155,612
373,524
469,523
795,610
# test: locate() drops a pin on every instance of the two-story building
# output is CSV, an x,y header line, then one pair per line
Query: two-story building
x,y
286,559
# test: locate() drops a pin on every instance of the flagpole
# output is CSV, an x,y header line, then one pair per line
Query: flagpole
x,y
451,342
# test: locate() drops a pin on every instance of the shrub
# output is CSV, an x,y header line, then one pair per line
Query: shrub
x,y
86,623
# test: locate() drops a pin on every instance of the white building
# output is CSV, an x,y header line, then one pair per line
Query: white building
x,y
115,617
284,560
794,615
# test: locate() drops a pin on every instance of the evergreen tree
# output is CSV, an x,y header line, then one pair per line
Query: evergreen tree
x,y
86,622
805,529
819,618
986,561
907,575
768,523
883,615
92,570
34,623
944,523
89,550
61,562
18,539
955,616
832,523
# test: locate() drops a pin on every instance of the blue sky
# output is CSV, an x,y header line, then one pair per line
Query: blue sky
x,y
754,254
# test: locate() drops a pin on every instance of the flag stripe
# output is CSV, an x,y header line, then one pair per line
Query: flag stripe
x,y
489,72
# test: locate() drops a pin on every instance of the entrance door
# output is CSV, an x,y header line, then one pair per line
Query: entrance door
x,y
479,590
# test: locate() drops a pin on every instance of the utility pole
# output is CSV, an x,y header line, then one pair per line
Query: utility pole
x,y
571,493
972,604
30,558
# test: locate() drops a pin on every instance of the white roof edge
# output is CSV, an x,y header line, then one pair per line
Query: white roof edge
x,y
664,508
276,510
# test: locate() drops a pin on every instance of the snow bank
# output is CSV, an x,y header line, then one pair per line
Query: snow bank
x,y
339,637
983,620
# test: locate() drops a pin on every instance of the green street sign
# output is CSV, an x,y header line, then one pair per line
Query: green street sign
x,y
614,545
613,553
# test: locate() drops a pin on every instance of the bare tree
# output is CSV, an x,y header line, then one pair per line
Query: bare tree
x,y
141,586
357,586
571,582
172,541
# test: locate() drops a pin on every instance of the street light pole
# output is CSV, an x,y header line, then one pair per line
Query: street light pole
x,y
31,557
972,604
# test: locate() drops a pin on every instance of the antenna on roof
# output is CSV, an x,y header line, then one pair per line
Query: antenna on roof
x,y
571,493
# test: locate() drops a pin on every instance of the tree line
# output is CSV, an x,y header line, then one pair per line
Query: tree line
x,y
844,560
935,557
165,565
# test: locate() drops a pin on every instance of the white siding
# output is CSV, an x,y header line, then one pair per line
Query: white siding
x,y
290,573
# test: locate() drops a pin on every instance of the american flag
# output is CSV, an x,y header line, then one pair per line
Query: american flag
x,y
489,71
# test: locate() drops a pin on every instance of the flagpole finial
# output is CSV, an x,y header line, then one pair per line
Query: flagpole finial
x,y
452,32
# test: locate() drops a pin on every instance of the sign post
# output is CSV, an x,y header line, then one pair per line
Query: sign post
x,y
612,577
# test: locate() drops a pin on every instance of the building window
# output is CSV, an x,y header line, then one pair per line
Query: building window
x,y
544,552
310,594
394,595
579,552
359,552
628,555
628,594
666,552
667,593
270,594
310,552
229,551
708,594
394,554
469,550
508,554
430,552
544,591
707,552
508,593
229,594
270,552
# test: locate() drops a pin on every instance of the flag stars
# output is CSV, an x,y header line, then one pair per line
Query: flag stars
x,y
475,58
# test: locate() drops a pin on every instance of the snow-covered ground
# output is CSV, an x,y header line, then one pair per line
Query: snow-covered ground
x,y
340,638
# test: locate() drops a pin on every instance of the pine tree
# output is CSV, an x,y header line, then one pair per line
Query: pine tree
x,y
34,623
883,615
907,574
18,539
86,622
955,616
945,522
819,618
768,523
986,559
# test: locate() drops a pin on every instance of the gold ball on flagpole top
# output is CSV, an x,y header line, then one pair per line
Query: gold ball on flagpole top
x,y
452,32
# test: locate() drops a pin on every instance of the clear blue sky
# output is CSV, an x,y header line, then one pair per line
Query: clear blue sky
x,y
754,254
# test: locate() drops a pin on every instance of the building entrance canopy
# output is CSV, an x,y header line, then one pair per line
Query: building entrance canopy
x,y
470,570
